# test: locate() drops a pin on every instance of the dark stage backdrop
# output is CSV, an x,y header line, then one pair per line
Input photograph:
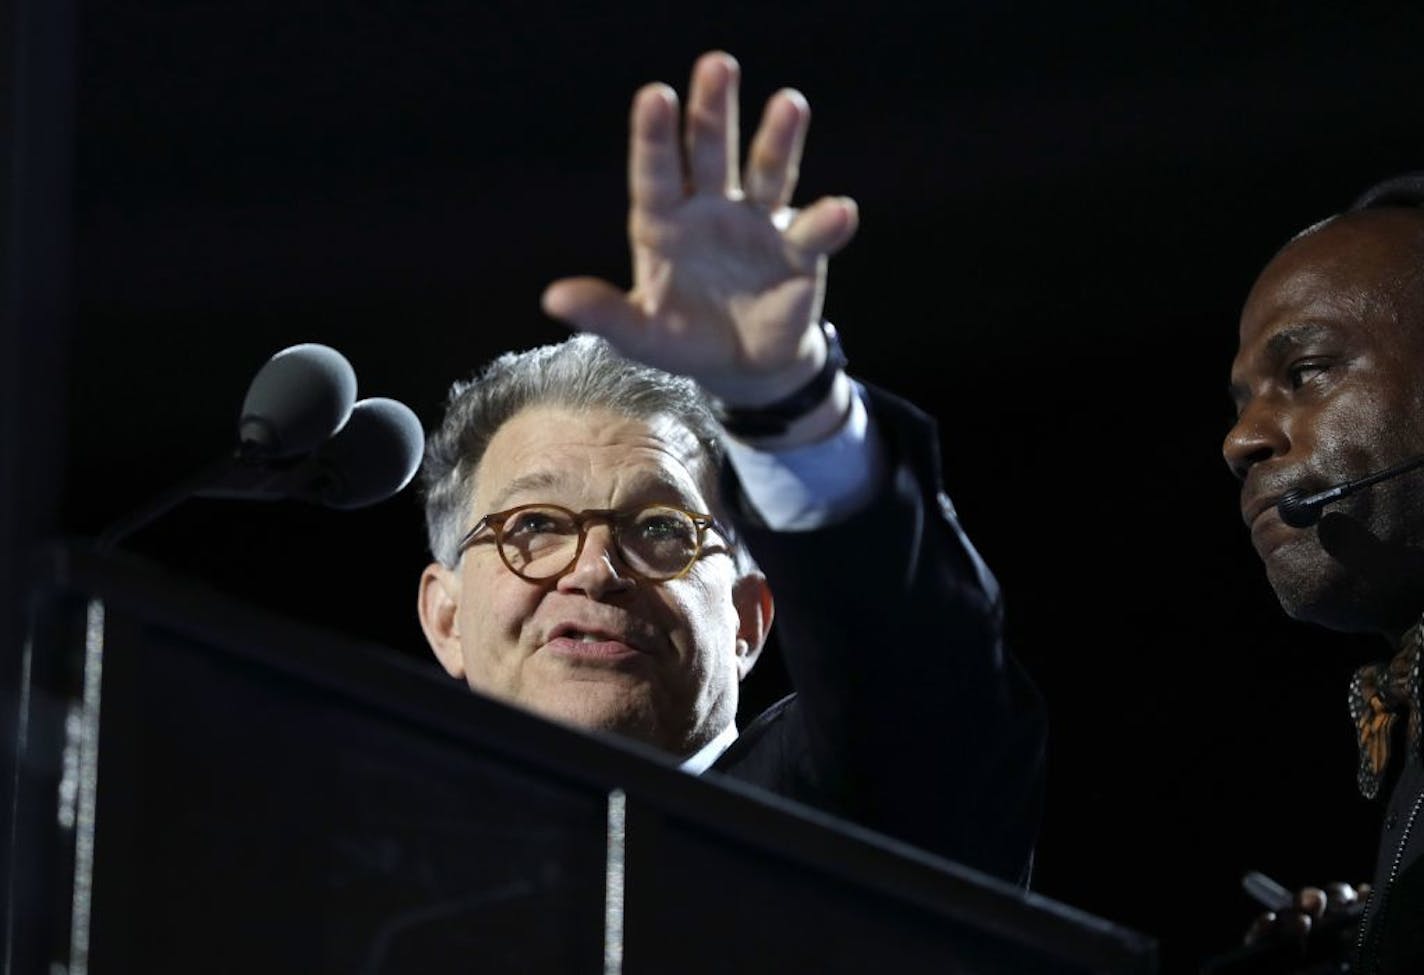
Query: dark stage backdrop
x,y
1063,206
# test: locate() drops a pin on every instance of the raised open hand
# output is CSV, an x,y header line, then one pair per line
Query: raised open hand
x,y
728,281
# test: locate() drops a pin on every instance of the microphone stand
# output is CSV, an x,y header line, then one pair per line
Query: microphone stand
x,y
241,474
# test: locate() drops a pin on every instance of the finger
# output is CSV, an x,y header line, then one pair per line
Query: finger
x,y
1363,891
593,305
825,226
654,161
1260,928
1293,926
1311,901
712,125
774,161
1339,897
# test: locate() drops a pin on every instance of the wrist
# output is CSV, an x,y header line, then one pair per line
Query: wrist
x,y
825,421
812,410
745,389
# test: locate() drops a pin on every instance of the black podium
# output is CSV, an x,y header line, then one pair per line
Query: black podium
x,y
206,788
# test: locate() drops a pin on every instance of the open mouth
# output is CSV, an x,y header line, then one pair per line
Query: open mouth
x,y
571,641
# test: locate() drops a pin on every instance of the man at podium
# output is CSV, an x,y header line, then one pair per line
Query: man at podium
x,y
609,517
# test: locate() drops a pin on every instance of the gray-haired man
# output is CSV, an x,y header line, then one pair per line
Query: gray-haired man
x,y
591,516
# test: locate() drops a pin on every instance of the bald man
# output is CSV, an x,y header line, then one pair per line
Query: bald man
x,y
1328,383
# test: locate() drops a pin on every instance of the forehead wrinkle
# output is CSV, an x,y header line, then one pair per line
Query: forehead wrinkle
x,y
1349,266
660,485
1332,281
665,463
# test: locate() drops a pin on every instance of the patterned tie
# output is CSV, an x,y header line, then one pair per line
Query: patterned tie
x,y
1378,694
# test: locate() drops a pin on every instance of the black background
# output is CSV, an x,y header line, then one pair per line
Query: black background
x,y
1062,209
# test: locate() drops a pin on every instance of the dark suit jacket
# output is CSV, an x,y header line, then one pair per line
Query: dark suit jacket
x,y
1392,942
909,717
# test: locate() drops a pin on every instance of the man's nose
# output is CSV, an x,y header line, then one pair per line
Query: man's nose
x,y
1258,434
599,569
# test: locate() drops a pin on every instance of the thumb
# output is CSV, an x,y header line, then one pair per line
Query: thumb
x,y
593,305
825,226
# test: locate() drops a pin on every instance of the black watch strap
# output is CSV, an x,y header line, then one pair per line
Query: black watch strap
x,y
775,418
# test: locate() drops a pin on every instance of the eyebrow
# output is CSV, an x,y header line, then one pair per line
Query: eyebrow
x,y
1280,345
1294,336
536,481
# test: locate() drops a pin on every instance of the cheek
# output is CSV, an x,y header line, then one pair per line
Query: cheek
x,y
1354,433
1389,430
1388,402
493,610
1411,412
704,612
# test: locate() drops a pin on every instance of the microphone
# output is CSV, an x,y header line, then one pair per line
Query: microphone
x,y
1301,510
371,458
297,400
301,434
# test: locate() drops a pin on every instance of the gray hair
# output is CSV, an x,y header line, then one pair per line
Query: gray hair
x,y
583,372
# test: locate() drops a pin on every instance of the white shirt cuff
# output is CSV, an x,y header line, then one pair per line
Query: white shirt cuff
x,y
808,487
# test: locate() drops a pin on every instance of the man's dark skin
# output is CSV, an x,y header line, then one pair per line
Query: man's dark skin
x,y
1329,386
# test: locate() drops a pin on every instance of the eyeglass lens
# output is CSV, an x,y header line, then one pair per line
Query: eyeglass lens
x,y
541,542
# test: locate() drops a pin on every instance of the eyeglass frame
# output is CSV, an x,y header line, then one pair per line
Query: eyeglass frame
x,y
496,520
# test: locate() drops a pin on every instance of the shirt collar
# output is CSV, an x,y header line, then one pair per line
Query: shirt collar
x,y
702,759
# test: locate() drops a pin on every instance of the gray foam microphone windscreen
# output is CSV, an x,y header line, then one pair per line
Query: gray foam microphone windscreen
x,y
373,457
296,402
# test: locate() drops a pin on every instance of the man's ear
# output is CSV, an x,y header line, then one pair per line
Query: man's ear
x,y
752,598
439,608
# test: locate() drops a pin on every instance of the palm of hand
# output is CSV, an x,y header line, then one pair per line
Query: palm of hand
x,y
721,291
727,283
